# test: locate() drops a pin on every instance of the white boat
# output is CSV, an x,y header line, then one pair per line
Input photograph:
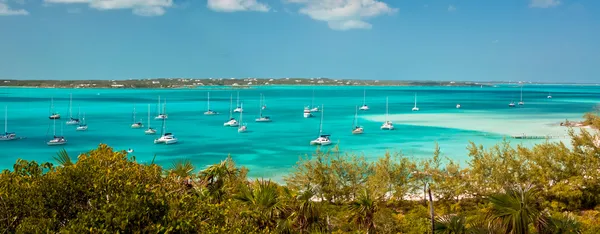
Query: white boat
x,y
242,128
53,115
72,121
356,128
165,138
457,106
521,102
322,139
387,125
161,115
136,124
83,126
415,108
238,108
307,113
262,118
314,108
364,107
57,140
549,96
511,104
130,150
232,122
208,110
150,130
7,136
264,104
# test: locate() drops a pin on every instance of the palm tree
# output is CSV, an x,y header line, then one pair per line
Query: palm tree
x,y
564,223
306,213
516,209
363,210
182,170
62,157
451,224
215,177
262,198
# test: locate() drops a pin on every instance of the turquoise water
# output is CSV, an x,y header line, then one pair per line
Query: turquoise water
x,y
272,149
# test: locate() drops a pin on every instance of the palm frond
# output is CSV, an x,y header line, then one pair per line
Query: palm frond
x,y
62,157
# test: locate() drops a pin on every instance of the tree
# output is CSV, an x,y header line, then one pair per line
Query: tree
x,y
516,209
362,211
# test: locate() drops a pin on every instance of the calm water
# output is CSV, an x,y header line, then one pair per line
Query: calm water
x,y
271,149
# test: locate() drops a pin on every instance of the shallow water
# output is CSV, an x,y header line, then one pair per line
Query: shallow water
x,y
272,149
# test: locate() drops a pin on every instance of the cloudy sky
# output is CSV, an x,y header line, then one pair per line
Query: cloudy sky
x,y
534,40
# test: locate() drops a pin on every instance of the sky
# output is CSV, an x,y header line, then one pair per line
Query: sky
x,y
463,40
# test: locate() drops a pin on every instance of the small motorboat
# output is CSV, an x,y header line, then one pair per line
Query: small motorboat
x,y
231,123
321,140
307,113
130,150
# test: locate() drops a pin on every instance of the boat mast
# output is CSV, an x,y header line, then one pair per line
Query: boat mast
x,y
356,117
208,102
241,106
5,119
364,97
312,102
230,106
52,105
165,107
521,93
415,99
133,113
237,102
321,122
54,128
162,130
148,116
261,104
158,106
70,105
386,109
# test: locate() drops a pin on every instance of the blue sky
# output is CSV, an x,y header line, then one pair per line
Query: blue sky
x,y
532,40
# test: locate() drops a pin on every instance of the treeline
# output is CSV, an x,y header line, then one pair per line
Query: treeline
x,y
549,188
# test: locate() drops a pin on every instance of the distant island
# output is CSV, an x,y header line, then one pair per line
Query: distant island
x,y
229,82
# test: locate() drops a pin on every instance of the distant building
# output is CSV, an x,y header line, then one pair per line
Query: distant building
x,y
117,85
155,82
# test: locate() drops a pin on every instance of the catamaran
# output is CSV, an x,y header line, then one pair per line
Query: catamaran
x,y
323,139
71,121
136,124
7,136
53,115
232,122
238,108
242,127
263,118
387,125
166,137
57,140
162,115
356,129
364,107
314,108
150,130
208,110
521,102
83,125
415,108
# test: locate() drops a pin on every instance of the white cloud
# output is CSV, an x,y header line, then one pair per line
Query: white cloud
x,y
5,10
451,8
237,5
138,7
344,14
544,3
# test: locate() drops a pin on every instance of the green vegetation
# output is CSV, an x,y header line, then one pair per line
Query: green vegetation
x,y
550,188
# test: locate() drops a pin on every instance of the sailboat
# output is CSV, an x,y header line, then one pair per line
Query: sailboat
x,y
458,106
322,139
415,108
53,115
387,125
136,124
163,114
83,125
7,136
238,108
356,129
511,104
232,122
313,108
242,127
521,102
166,137
264,104
549,96
364,107
150,130
208,110
262,118
71,121
57,140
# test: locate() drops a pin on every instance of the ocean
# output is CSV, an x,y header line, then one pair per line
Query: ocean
x,y
272,149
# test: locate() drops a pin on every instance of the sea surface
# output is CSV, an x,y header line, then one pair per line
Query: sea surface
x,y
272,149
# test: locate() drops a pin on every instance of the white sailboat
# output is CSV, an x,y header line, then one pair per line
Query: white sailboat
x,y
53,115
262,118
264,104
457,106
313,108
57,140
242,127
307,113
231,122
163,114
83,125
71,121
322,139
166,138
356,129
238,108
415,108
387,125
364,107
136,124
150,130
521,102
7,136
511,104
549,96
208,110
